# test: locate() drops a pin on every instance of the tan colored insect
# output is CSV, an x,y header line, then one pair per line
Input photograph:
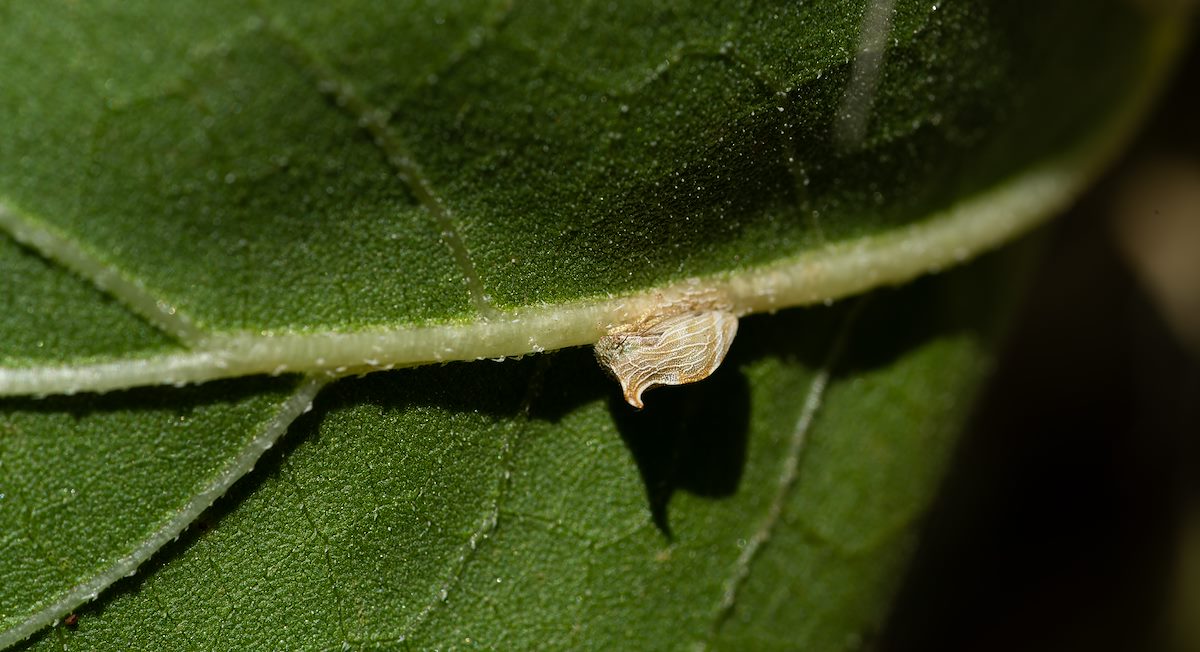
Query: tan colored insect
x,y
666,350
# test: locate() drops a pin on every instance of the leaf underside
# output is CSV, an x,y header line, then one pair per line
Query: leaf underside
x,y
184,179
523,504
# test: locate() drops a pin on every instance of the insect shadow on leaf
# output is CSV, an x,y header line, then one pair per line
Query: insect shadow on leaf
x,y
692,437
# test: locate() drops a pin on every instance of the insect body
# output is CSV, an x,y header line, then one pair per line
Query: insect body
x,y
674,349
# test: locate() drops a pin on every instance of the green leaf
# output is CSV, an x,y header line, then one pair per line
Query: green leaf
x,y
292,189
524,505
212,190
91,486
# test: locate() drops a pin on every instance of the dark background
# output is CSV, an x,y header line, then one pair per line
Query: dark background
x,y
1070,519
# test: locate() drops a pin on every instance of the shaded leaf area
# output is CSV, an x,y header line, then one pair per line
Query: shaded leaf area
x,y
399,164
86,480
523,505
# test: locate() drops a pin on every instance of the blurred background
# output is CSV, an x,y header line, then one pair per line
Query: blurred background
x,y
1071,516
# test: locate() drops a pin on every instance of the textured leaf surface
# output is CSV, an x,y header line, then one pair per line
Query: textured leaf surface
x,y
292,187
90,486
209,190
514,505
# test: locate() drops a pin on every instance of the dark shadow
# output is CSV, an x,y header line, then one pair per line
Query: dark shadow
x,y
695,437
1060,524
1054,527
691,437
570,379
494,388
180,400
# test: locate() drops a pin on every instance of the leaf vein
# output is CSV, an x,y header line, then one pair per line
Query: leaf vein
x,y
327,545
72,254
831,272
374,121
788,474
291,408
491,519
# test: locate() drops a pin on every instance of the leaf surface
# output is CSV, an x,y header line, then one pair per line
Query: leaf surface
x,y
201,191
288,188
525,505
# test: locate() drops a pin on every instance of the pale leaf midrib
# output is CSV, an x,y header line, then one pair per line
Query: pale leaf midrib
x,y
835,271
